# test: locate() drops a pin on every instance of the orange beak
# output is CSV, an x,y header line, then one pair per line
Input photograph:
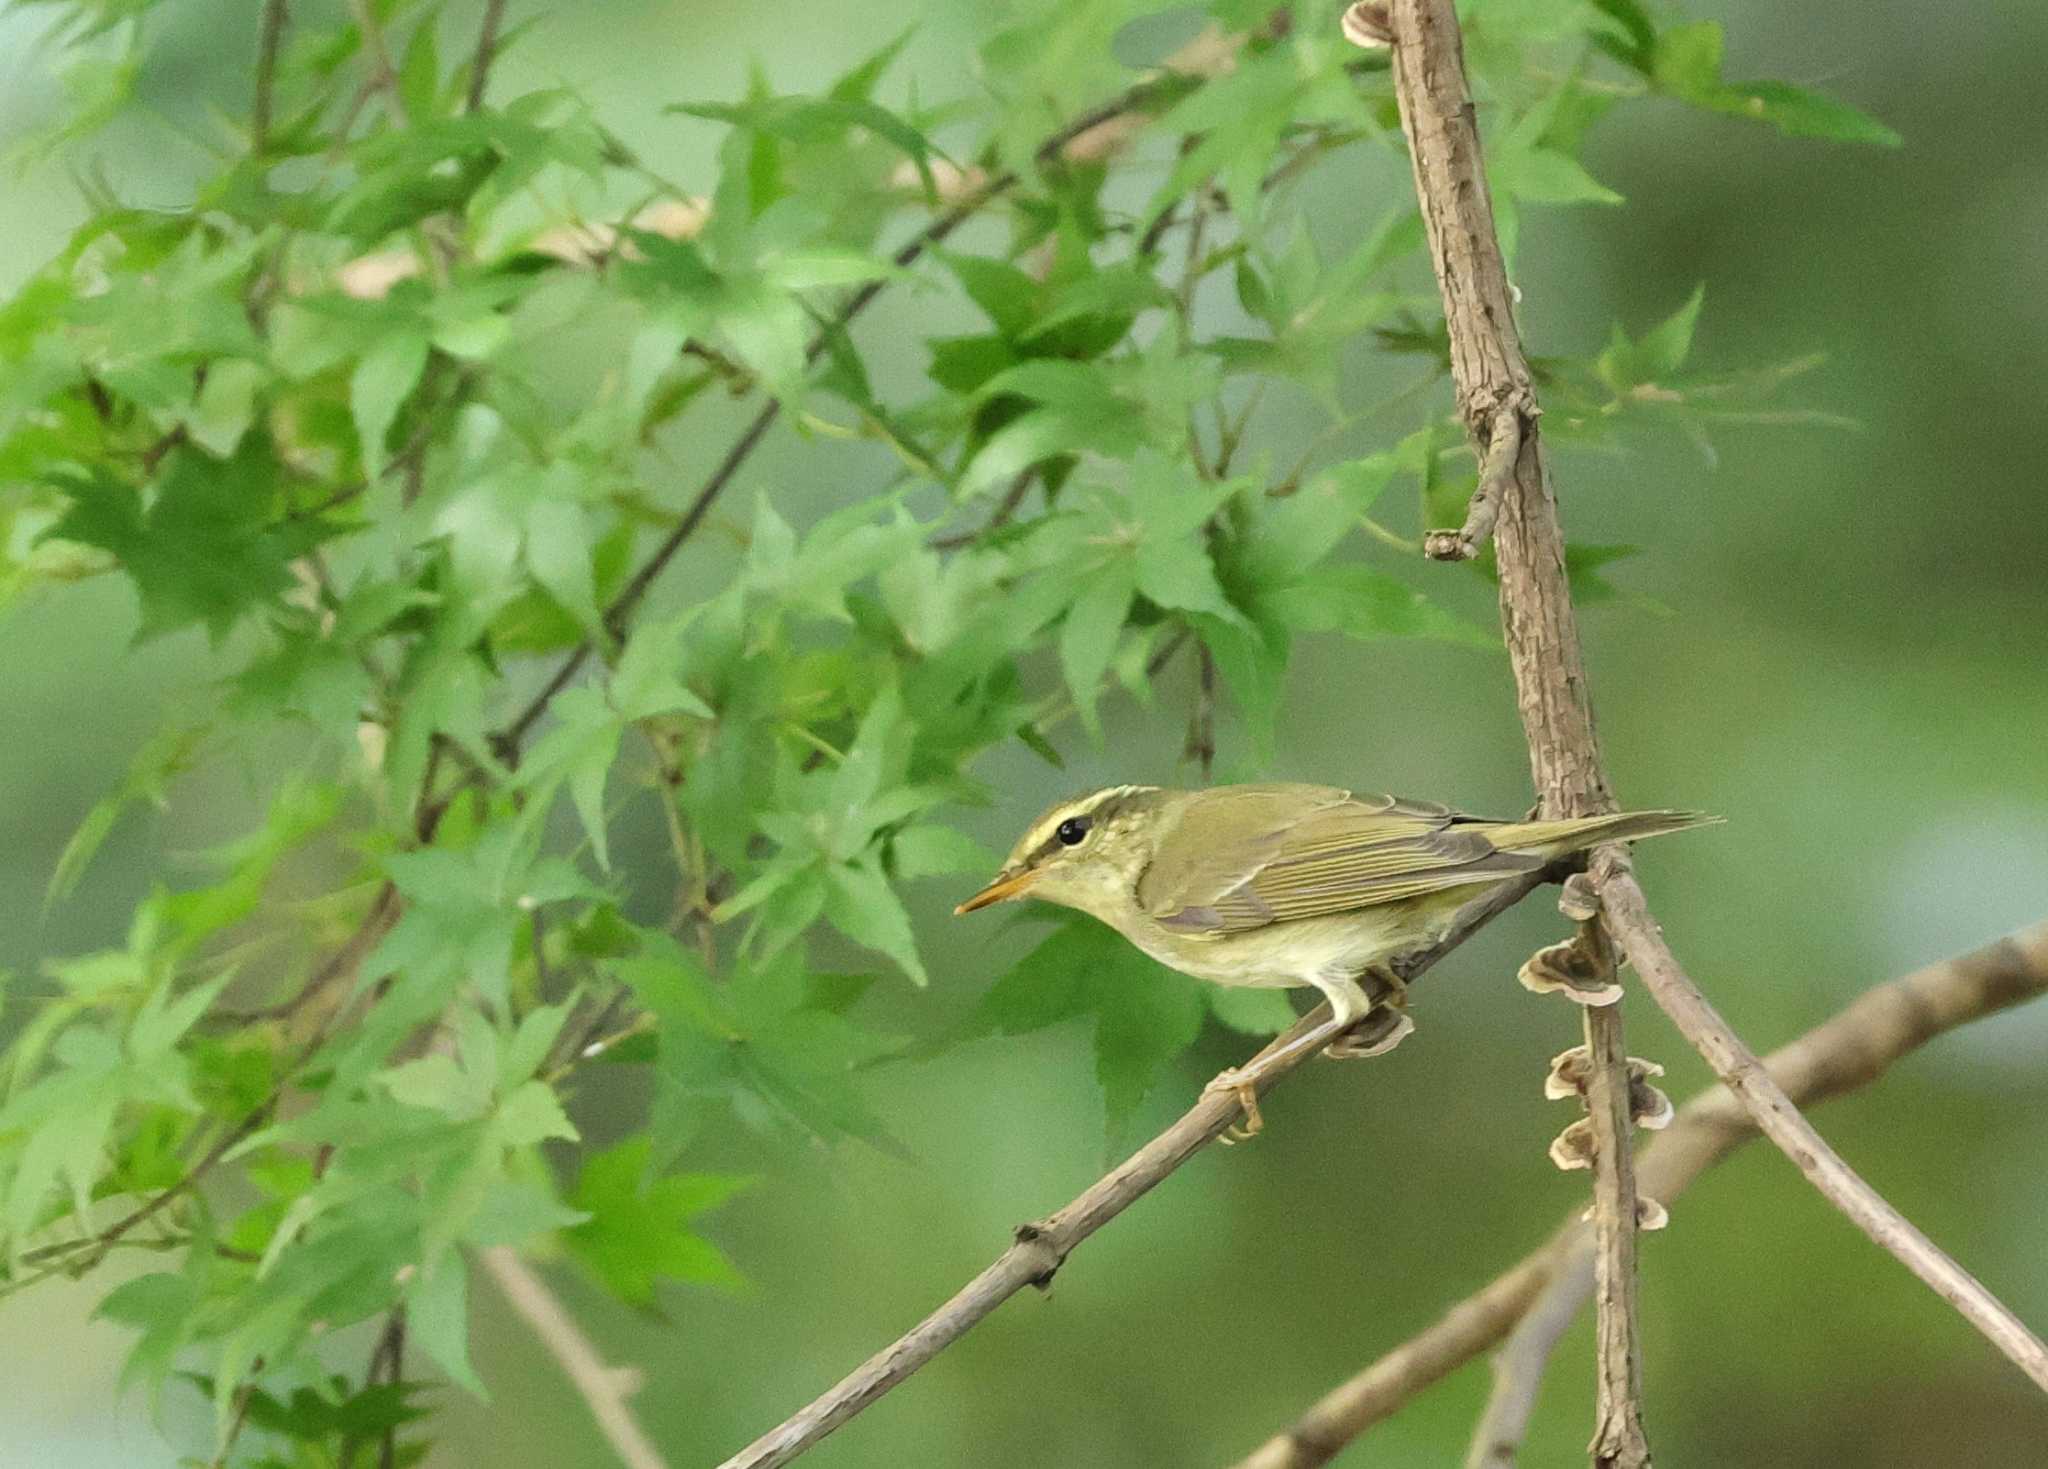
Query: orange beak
x,y
1005,886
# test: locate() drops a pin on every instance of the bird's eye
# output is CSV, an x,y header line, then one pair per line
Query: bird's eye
x,y
1072,830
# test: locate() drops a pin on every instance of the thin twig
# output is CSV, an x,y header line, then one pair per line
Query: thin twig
x,y
1744,1076
604,1389
382,74
1519,1365
1006,509
1201,746
270,37
1503,447
1042,1247
1849,1050
486,53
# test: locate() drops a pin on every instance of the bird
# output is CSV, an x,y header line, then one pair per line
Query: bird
x,y
1288,885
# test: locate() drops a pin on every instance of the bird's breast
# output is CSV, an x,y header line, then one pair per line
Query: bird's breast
x,y
1284,955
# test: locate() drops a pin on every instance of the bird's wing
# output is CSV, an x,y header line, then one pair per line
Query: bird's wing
x,y
1316,851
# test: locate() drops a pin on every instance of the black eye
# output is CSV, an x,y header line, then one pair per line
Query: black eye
x,y
1072,830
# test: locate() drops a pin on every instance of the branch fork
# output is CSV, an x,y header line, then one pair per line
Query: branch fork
x,y
1504,438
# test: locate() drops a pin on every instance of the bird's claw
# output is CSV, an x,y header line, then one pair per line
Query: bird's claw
x,y
1380,1031
1239,1084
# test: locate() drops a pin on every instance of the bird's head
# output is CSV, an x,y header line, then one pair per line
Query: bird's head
x,y
1085,853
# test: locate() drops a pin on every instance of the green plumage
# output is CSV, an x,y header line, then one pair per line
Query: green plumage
x,y
1284,885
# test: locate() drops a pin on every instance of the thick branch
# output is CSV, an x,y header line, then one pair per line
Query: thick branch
x,y
1618,1438
1850,1050
604,1389
1040,1248
1497,400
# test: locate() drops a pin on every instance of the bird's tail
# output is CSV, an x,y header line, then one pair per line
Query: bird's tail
x,y
1557,838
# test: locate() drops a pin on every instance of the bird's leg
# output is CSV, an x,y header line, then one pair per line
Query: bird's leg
x,y
1385,1027
1348,1005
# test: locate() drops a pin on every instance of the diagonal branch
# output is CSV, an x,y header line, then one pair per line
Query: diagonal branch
x,y
269,39
486,53
1041,1247
603,1388
1849,1050
1519,1365
1780,1120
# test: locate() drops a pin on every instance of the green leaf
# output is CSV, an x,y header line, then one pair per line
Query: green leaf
x,y
1624,365
1088,637
639,1230
226,406
1295,532
1666,346
931,850
1010,298
1585,567
1687,64
1546,176
1635,24
810,120
419,75
1361,602
1800,113
761,1043
167,754
863,906
578,751
208,548
1145,1014
378,388
647,680
437,1319
529,1114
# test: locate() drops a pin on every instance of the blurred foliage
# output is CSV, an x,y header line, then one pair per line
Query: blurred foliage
x,y
408,406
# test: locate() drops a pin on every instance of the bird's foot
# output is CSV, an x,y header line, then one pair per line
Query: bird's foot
x,y
1238,1082
1382,1029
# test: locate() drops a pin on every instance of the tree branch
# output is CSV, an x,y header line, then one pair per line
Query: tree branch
x,y
1041,1247
1847,1051
1496,398
1618,1438
270,36
1780,1120
486,53
383,75
604,1389
1519,1365
1503,447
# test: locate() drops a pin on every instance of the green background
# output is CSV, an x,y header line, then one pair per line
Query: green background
x,y
1849,667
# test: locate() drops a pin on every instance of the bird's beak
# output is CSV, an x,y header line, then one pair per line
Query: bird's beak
x,y
1007,884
